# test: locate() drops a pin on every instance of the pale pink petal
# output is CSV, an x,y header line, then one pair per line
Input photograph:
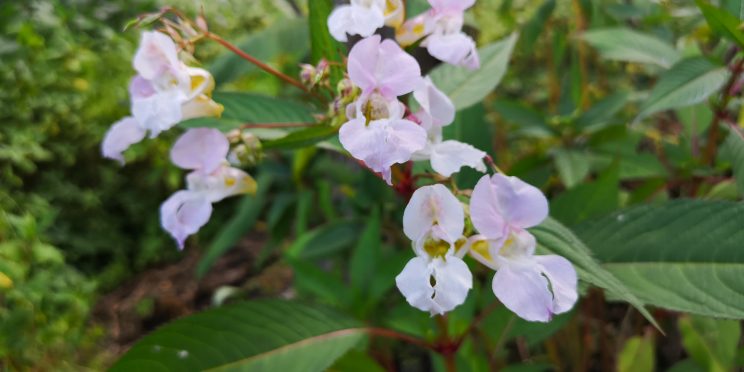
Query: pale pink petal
x,y
140,87
224,182
451,5
159,112
457,49
433,204
522,204
563,281
340,22
362,63
156,54
366,20
523,290
120,136
202,149
453,281
414,283
397,72
449,156
183,214
439,109
485,211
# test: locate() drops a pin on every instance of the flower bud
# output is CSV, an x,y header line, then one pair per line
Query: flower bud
x,y
247,152
307,74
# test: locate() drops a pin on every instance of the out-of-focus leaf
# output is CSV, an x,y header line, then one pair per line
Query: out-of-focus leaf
x,y
257,109
311,279
588,200
624,44
683,255
465,87
535,26
366,253
471,127
686,365
555,238
287,38
303,137
323,45
267,335
529,122
601,114
722,22
356,361
711,343
688,82
572,165
224,125
733,152
637,355
242,222
416,7
735,7
632,166
324,240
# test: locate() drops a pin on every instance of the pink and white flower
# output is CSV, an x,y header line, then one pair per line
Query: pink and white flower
x,y
437,279
376,132
533,287
202,150
442,27
364,17
446,157
164,92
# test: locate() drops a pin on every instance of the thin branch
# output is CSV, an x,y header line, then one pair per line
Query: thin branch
x,y
389,333
256,62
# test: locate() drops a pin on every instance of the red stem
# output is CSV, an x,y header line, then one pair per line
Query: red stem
x,y
719,112
389,333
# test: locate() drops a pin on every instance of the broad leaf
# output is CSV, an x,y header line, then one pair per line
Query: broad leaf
x,y
733,152
572,165
637,355
735,7
303,137
555,238
601,114
722,22
366,254
258,109
688,82
624,44
683,255
309,278
285,39
265,335
239,225
324,240
712,343
588,200
465,87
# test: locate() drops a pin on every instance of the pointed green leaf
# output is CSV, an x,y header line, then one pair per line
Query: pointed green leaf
x,y
265,335
733,152
637,355
712,343
258,109
465,87
624,44
588,200
572,165
722,22
688,82
683,255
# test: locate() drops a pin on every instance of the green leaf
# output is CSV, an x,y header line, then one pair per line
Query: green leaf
x,y
733,152
683,255
637,355
239,225
601,114
573,166
366,254
557,239
722,22
688,82
323,45
324,240
535,26
624,44
588,200
285,40
735,7
471,127
224,125
258,109
712,343
323,284
529,122
465,87
302,138
267,335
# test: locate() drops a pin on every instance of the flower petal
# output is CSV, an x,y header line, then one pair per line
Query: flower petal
x,y
453,281
202,149
120,136
485,211
160,111
451,5
184,213
457,49
523,290
365,20
382,66
221,183
523,205
563,281
433,204
449,156
340,22
438,108
362,63
156,53
414,283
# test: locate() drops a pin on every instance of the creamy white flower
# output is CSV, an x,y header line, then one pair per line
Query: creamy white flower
x,y
364,17
437,280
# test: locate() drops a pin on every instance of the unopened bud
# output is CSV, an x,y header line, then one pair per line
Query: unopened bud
x,y
248,152
345,88
307,74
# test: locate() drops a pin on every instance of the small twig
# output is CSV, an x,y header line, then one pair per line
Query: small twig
x,y
256,62
389,333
